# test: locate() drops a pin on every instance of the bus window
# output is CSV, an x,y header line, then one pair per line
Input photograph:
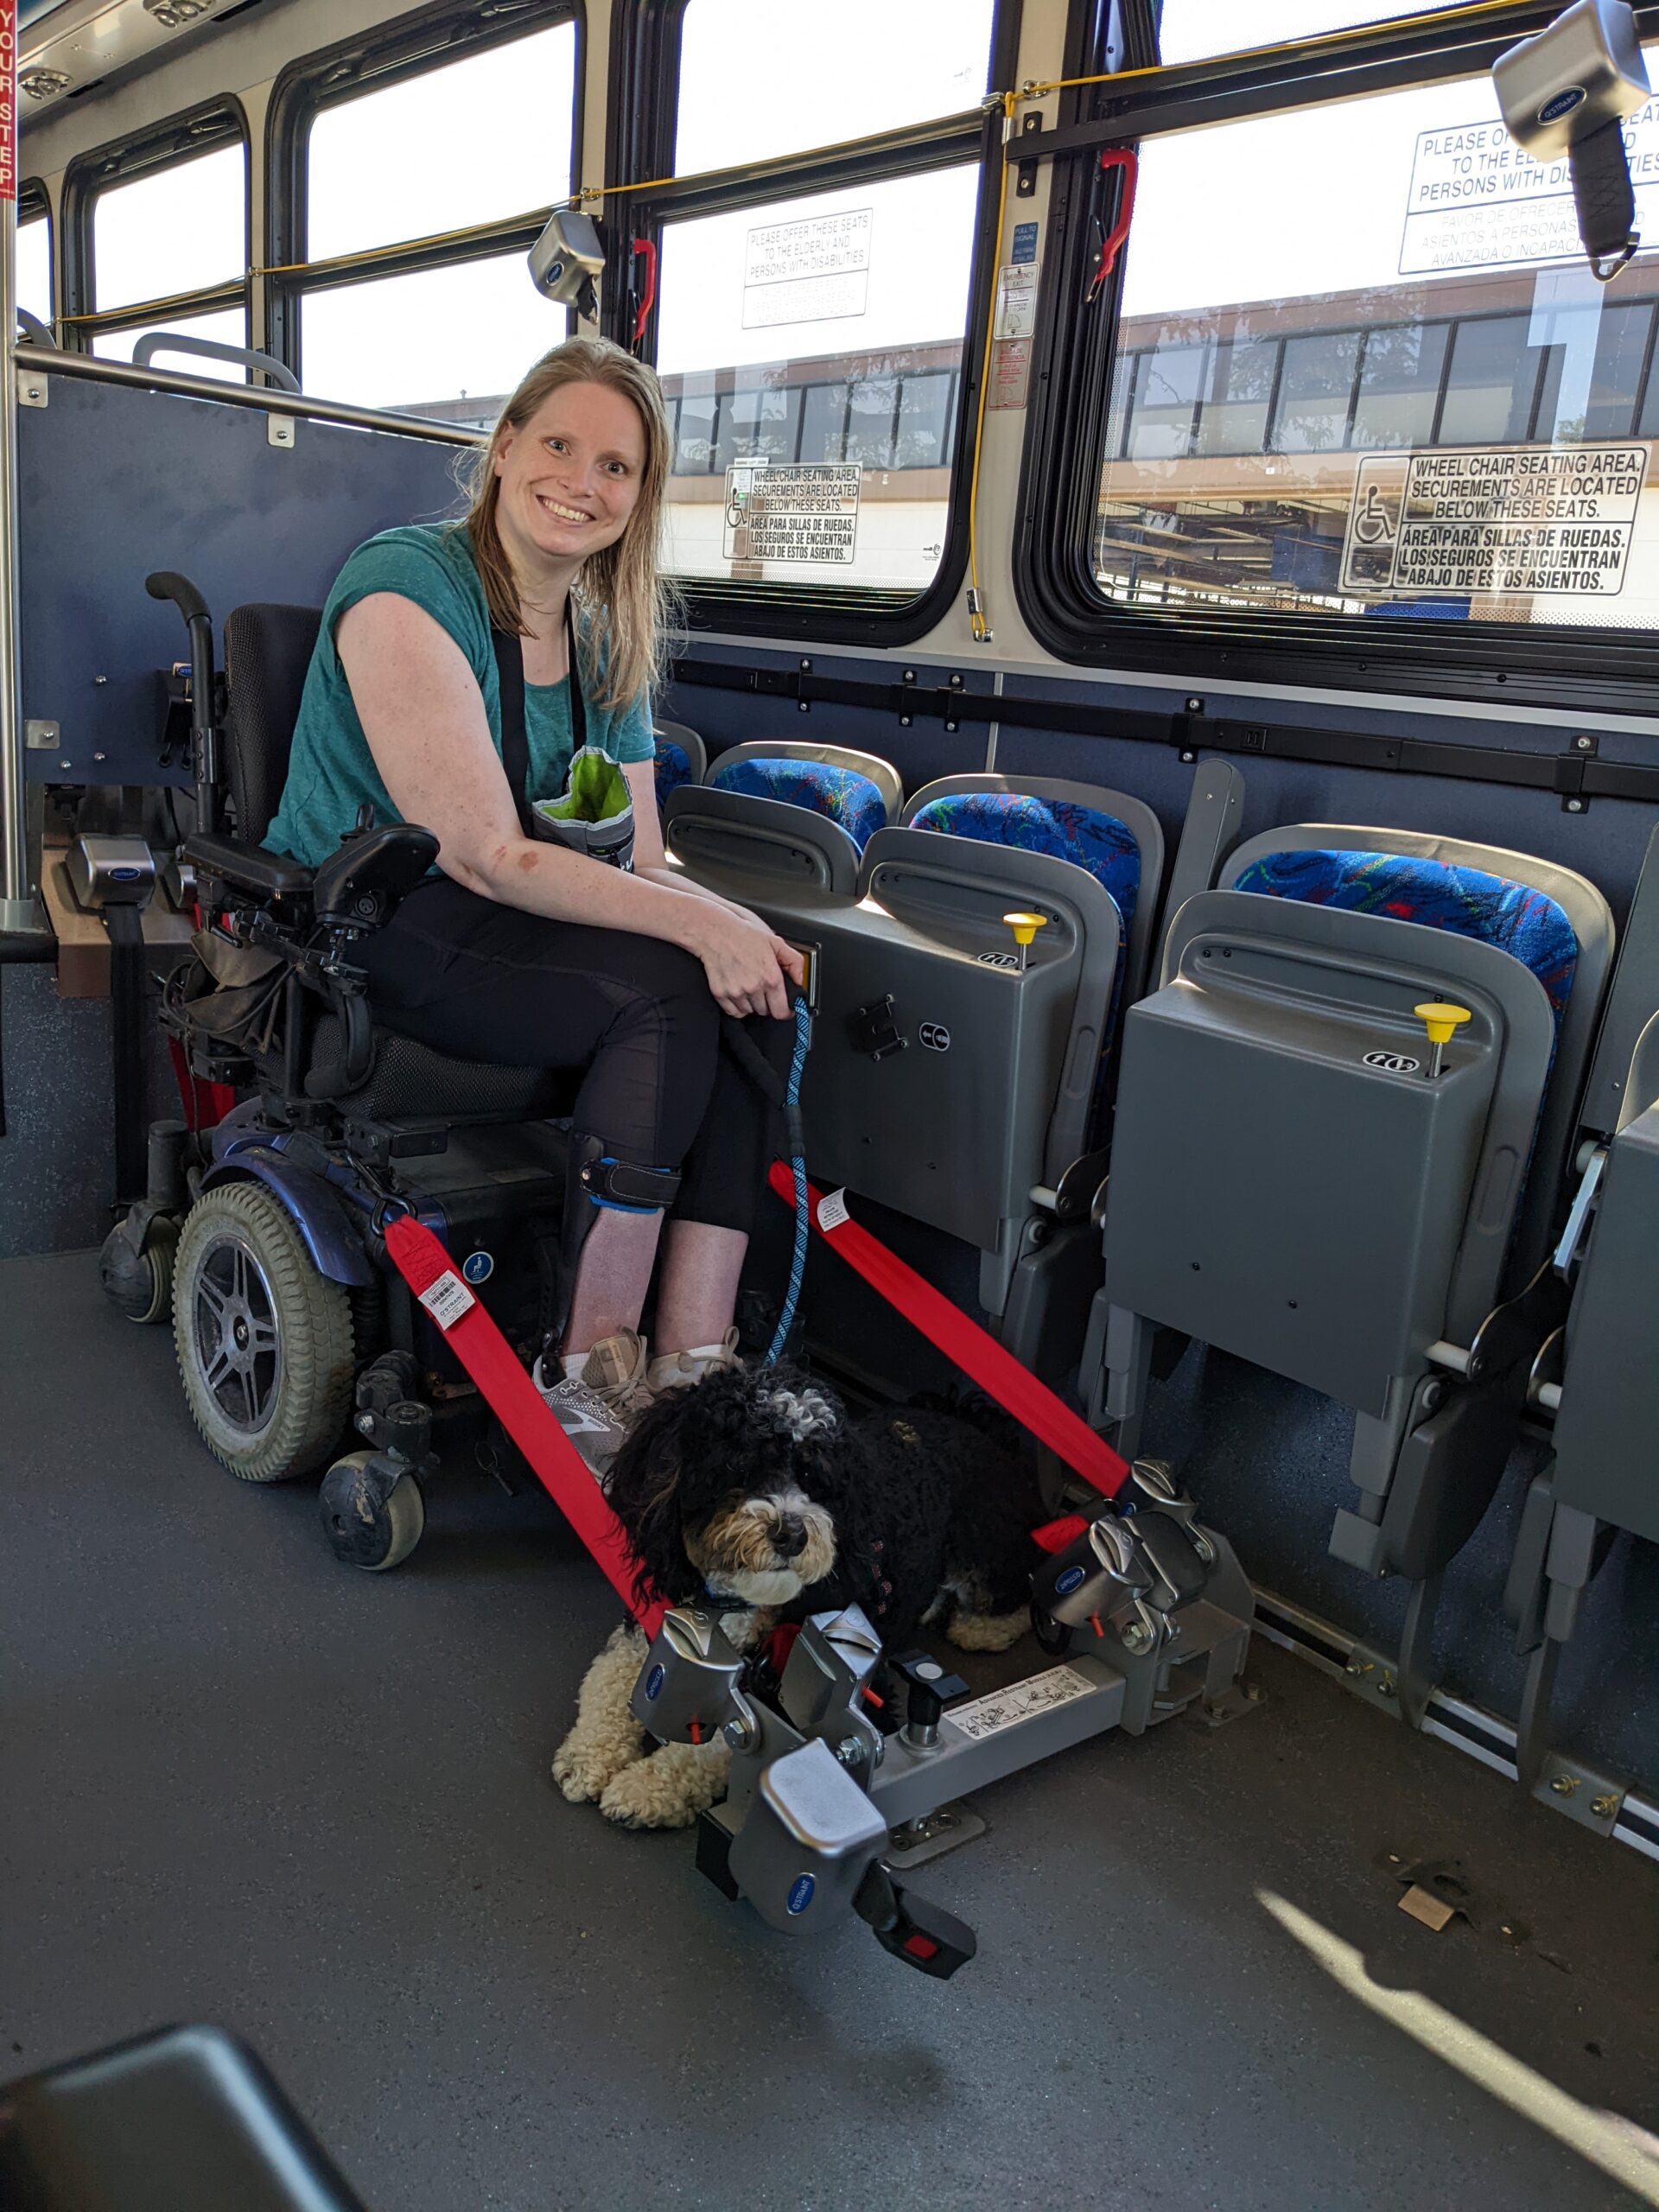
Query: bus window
x,y
393,311
1193,30
35,255
1417,401
747,94
814,346
167,244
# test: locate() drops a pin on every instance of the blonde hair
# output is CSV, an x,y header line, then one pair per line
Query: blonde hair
x,y
626,605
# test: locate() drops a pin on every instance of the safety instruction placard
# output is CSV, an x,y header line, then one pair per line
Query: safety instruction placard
x,y
989,1716
1474,519
808,512
1477,201
811,271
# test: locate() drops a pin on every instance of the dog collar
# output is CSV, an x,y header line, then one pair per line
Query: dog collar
x,y
725,1601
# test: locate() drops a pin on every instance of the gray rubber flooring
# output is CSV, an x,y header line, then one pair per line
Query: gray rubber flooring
x,y
241,1784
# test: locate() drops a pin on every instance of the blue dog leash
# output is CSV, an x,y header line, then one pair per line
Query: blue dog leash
x,y
797,1168
760,1073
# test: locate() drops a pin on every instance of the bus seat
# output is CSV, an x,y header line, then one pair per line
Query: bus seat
x,y
956,1082
1442,896
682,758
1350,1223
825,787
1598,1374
1117,838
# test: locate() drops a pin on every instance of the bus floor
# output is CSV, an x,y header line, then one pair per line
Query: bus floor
x,y
244,1785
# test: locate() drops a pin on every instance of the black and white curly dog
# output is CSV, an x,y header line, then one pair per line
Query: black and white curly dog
x,y
756,1486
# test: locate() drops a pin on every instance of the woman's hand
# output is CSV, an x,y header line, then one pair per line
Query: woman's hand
x,y
749,970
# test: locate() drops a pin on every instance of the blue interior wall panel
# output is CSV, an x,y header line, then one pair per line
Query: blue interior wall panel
x,y
115,481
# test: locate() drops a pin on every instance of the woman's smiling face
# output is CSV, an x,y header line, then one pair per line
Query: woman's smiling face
x,y
571,476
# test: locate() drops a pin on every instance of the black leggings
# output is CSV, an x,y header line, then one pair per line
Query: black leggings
x,y
483,982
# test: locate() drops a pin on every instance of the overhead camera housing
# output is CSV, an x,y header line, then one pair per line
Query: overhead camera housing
x,y
567,261
1567,93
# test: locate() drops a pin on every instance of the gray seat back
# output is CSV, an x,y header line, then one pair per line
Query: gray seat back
x,y
758,845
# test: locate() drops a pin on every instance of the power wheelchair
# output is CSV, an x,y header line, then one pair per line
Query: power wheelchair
x,y
263,1220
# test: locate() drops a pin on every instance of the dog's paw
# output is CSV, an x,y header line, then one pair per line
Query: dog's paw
x,y
585,1766
989,1631
668,1790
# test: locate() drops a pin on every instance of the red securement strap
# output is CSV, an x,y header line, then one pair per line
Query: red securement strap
x,y
997,1372
488,1358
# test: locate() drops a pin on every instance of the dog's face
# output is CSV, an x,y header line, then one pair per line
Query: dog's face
x,y
721,1487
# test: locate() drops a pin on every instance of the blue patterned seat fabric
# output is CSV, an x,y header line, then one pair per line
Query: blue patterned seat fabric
x,y
1083,835
673,769
840,793
1438,894
1097,842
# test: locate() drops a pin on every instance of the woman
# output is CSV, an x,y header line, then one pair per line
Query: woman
x,y
526,952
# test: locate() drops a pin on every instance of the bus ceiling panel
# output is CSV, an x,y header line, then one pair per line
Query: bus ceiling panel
x,y
64,50
116,481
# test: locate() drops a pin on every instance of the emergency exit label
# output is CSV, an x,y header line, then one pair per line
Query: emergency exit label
x,y
805,513
1470,519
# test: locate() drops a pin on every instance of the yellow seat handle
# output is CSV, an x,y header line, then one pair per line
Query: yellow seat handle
x,y
1441,1020
1026,926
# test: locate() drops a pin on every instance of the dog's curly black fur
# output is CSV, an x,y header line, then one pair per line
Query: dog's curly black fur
x,y
913,1513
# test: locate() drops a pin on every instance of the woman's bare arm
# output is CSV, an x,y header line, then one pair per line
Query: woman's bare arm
x,y
422,713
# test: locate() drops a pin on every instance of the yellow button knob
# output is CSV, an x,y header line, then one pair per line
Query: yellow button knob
x,y
1026,926
1442,1021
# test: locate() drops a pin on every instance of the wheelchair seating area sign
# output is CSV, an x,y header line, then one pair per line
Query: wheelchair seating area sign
x,y
808,512
1483,520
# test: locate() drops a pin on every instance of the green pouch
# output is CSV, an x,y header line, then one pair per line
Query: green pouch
x,y
595,813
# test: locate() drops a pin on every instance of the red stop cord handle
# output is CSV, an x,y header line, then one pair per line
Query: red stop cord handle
x,y
980,1356
1126,161
489,1359
648,248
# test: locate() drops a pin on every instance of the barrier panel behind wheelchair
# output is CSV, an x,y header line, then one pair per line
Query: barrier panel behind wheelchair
x,y
173,481
1302,1177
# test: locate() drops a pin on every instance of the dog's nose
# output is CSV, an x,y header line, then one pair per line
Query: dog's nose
x,y
789,1540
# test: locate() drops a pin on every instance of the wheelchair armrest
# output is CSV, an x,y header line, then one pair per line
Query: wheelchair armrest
x,y
246,867
359,885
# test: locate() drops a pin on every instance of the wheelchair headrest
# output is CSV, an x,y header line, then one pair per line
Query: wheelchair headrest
x,y
267,652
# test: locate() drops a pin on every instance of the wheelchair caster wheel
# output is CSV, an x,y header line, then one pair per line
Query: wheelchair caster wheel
x,y
365,1527
140,1285
1053,1636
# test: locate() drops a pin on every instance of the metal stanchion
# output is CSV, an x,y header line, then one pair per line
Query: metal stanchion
x,y
20,912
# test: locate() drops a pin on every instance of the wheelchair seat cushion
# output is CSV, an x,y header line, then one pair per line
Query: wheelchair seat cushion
x,y
840,793
406,1079
673,769
1438,894
1084,835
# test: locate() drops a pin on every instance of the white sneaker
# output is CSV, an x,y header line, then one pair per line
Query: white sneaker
x,y
673,1370
597,1406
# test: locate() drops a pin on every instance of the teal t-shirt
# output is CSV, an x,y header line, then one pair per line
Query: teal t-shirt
x,y
331,771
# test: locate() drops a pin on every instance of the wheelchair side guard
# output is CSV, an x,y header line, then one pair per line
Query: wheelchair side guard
x,y
318,1214
739,841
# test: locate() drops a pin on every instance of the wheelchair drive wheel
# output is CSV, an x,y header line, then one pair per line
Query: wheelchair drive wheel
x,y
264,1341
367,1526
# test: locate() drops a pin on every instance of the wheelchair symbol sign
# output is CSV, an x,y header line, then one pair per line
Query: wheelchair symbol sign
x,y
478,1266
1373,524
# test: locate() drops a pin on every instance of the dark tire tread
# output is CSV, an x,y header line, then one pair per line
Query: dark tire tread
x,y
314,1323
